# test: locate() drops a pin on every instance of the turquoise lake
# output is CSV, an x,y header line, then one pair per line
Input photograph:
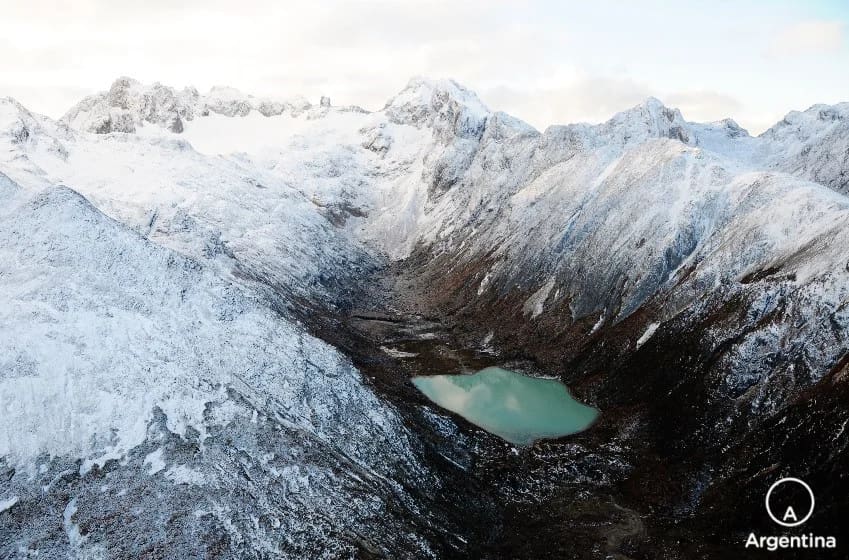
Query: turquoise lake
x,y
515,407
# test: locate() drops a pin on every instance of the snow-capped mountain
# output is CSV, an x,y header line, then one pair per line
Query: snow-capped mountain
x,y
812,144
168,249
129,106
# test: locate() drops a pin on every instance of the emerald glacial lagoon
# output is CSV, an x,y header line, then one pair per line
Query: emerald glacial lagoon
x,y
515,407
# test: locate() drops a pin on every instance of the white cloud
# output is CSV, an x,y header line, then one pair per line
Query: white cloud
x,y
808,37
704,105
587,99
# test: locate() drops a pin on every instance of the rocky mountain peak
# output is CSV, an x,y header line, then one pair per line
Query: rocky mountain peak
x,y
731,128
442,104
129,104
649,119
814,144
801,124
16,122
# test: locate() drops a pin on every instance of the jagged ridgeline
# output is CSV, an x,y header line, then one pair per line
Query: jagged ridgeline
x,y
180,377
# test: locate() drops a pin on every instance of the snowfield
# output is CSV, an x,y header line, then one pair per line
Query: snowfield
x,y
117,325
152,241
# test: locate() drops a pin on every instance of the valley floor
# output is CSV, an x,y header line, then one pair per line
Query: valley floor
x,y
627,488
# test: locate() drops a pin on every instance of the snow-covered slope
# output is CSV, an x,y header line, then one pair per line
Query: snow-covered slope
x,y
241,216
813,144
132,372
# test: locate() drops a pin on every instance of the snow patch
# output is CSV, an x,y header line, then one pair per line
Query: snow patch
x,y
154,461
99,461
8,503
484,283
72,530
535,304
395,353
182,474
600,321
647,334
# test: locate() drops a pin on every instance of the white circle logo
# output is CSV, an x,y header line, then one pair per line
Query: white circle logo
x,y
789,517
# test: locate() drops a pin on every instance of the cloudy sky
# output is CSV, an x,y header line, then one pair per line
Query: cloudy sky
x,y
545,62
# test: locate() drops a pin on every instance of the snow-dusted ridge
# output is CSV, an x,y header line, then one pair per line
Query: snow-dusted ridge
x,y
130,105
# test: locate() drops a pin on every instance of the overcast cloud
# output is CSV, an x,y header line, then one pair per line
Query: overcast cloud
x,y
545,62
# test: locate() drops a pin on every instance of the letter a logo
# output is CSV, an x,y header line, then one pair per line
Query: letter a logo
x,y
790,514
790,518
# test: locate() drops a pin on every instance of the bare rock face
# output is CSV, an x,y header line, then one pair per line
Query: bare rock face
x,y
176,125
732,129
